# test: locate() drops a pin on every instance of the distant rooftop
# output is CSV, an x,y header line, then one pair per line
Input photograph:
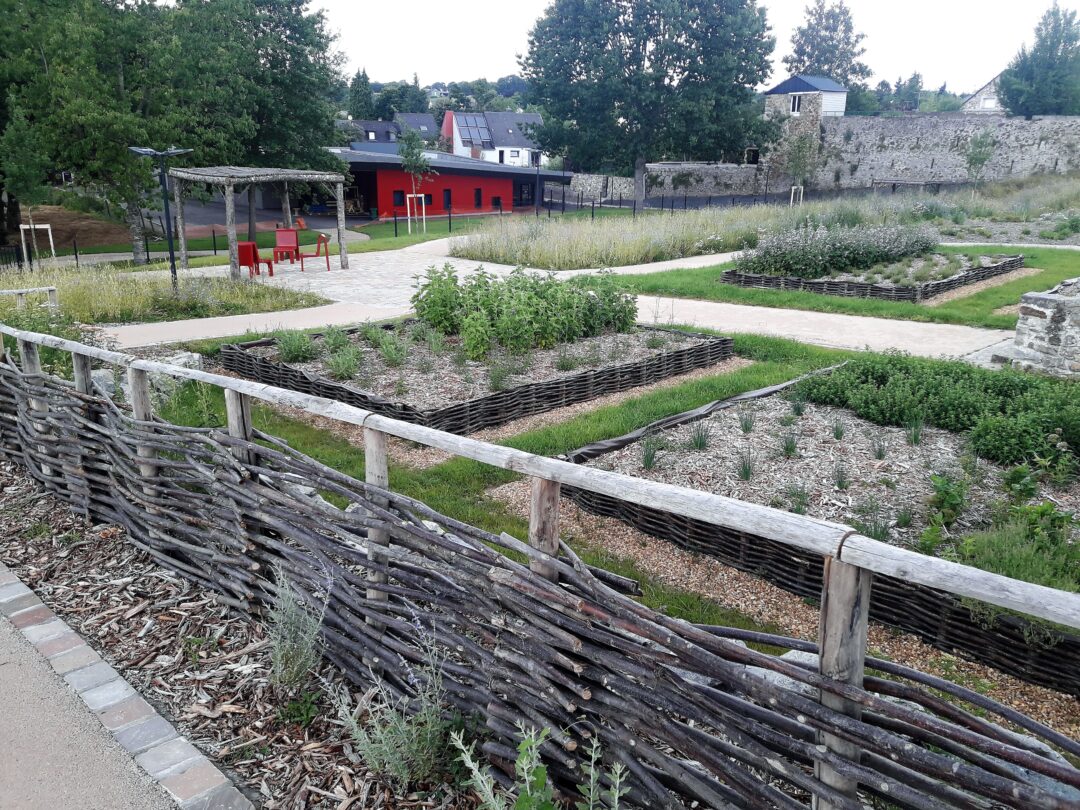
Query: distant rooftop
x,y
807,84
443,161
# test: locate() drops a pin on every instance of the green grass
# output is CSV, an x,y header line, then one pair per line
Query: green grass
x,y
457,487
973,310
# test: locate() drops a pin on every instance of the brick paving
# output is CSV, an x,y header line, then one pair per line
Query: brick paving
x,y
184,776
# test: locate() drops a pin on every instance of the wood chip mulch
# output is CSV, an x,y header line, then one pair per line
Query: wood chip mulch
x,y
979,286
203,666
769,605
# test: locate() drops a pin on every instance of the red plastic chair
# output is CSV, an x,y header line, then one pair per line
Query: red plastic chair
x,y
248,254
322,248
286,243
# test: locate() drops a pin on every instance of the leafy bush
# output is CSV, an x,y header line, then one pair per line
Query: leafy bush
x,y
294,635
813,252
296,347
334,339
522,311
1033,544
344,363
1013,417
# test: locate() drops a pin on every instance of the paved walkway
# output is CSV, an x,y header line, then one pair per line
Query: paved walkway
x,y
53,752
379,285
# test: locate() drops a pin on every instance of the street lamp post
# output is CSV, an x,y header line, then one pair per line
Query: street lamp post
x,y
146,151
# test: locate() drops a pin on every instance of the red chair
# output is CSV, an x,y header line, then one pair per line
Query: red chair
x,y
248,254
286,243
322,248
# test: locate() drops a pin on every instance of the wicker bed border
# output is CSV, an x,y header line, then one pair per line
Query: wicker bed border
x,y
493,409
1007,642
859,289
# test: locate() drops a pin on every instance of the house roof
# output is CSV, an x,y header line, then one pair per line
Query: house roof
x,y
807,84
424,123
443,162
382,129
992,81
510,128
232,175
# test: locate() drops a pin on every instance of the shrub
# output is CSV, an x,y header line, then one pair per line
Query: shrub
x,y
343,364
334,339
523,311
393,349
294,635
1033,544
1011,415
813,252
296,347
405,740
476,336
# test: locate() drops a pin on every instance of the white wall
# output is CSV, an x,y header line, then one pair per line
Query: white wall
x,y
833,103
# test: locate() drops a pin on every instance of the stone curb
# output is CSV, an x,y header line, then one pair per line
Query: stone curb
x,y
192,780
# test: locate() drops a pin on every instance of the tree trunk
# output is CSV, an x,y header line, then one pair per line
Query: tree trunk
x,y
639,182
9,225
33,232
135,225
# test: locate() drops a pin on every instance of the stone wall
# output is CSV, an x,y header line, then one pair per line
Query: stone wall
x,y
705,179
859,151
1048,332
600,186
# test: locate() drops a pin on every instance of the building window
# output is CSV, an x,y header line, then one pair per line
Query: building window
x,y
427,199
478,198
496,202
515,153
399,198
752,156
796,105
393,135
371,136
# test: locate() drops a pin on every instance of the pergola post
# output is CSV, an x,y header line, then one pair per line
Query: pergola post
x,y
178,196
251,212
286,206
343,251
230,230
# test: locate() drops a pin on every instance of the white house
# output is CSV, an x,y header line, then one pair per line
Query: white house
x,y
497,137
797,95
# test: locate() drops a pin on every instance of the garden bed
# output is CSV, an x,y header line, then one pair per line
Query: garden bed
x,y
838,479
440,388
851,287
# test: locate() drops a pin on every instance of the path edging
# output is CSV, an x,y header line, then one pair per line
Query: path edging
x,y
191,780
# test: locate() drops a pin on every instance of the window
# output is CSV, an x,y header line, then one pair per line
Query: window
x,y
796,105
496,202
427,199
370,135
399,198
423,127
751,156
515,153
478,198
446,199
393,135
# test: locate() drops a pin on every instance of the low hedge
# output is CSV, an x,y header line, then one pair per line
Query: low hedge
x,y
1012,415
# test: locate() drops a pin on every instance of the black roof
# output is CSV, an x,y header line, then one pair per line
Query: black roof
x,y
444,163
383,129
807,84
509,128
424,123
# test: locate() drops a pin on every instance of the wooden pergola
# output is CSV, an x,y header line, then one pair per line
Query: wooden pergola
x,y
241,178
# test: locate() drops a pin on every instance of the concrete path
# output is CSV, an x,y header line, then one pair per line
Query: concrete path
x,y
53,752
823,328
379,285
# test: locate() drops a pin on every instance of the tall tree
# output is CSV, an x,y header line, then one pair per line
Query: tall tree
x,y
627,81
361,99
826,44
414,161
25,167
1046,79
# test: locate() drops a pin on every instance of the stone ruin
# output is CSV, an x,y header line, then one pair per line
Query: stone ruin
x,y
1048,332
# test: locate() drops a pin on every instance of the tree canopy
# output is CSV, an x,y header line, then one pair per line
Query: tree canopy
x,y
626,81
400,97
1045,80
237,81
361,99
826,44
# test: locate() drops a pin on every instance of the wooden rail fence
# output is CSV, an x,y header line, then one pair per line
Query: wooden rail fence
x,y
20,296
581,650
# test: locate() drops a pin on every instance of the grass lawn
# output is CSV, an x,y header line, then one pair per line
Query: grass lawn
x,y
264,239
457,487
973,310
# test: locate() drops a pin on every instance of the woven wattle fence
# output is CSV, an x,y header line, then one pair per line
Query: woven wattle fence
x,y
861,289
1013,644
493,409
694,715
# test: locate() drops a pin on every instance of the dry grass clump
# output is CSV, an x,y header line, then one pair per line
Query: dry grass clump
x,y
105,294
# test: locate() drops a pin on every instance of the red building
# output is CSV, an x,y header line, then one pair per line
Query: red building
x,y
462,185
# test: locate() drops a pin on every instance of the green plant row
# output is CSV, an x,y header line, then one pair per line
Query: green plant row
x,y
810,252
520,312
1012,416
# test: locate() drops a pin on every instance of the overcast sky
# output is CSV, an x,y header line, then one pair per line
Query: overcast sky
x,y
962,42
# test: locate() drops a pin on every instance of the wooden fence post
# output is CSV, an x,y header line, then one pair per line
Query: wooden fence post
x,y
377,473
84,384
544,524
845,602
141,407
238,414
20,300
54,298
30,360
